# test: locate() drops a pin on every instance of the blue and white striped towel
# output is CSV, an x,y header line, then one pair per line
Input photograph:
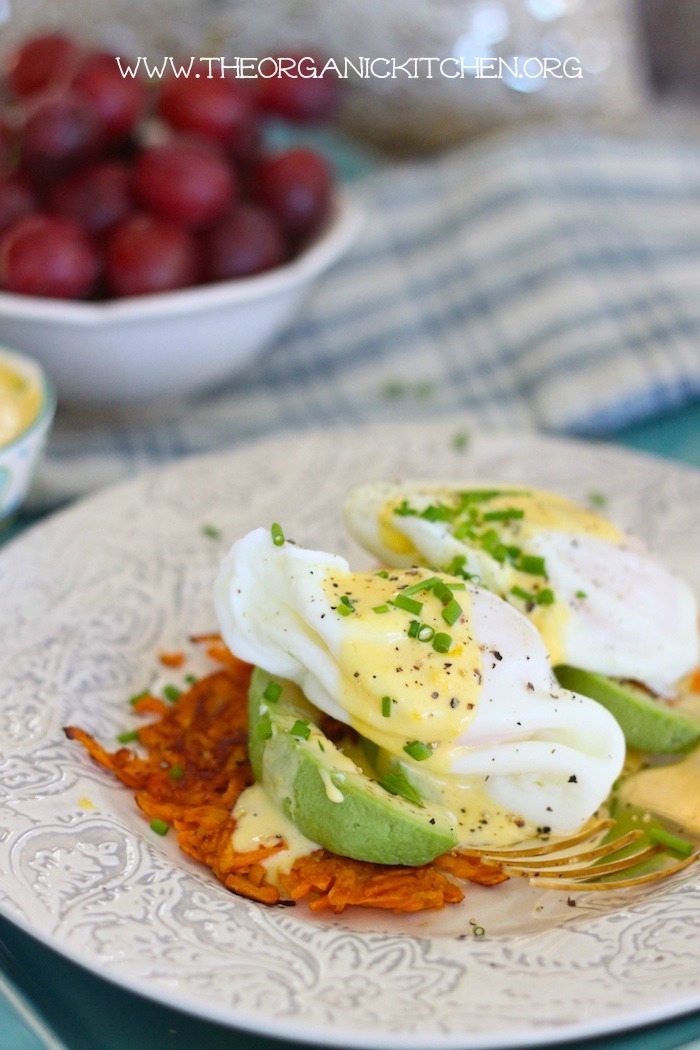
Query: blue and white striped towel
x,y
541,281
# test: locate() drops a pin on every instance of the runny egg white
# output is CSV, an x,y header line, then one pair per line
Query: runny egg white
x,y
599,599
445,676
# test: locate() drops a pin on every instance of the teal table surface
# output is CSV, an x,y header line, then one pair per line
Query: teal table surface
x,y
47,1001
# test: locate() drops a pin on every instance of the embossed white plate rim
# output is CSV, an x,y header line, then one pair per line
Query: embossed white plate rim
x,y
641,995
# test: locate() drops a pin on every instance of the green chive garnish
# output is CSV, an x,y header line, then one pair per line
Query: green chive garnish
x,y
138,696
272,692
452,612
407,604
545,596
176,772
426,633
277,534
422,585
442,592
413,628
301,729
418,750
380,608
345,606
520,592
211,531
161,827
442,642
128,736
386,706
509,514
531,564
172,693
670,841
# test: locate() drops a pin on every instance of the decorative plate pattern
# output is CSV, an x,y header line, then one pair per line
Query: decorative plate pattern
x,y
89,597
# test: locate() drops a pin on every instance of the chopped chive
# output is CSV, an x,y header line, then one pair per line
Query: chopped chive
x,y
460,440
383,574
128,736
277,534
597,499
442,592
418,750
452,612
422,585
301,729
670,841
442,642
380,608
580,594
172,693
545,596
520,592
190,679
272,692
176,772
161,827
478,931
407,604
211,531
509,514
438,512
386,706
531,564
405,510
138,696
426,633
414,628
345,606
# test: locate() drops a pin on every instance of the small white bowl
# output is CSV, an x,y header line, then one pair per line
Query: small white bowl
x,y
150,348
20,457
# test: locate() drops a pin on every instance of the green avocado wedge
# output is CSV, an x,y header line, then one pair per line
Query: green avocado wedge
x,y
648,724
324,794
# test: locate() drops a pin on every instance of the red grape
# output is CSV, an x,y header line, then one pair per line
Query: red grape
x,y
47,255
247,241
185,183
61,131
216,108
42,61
97,197
296,186
118,101
16,200
145,255
296,95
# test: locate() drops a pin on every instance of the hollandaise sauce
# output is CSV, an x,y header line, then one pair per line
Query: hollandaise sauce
x,y
410,666
20,402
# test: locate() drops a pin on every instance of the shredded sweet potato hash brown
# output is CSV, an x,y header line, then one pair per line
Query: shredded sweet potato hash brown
x,y
196,767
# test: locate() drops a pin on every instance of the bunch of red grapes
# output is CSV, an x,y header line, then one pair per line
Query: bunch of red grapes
x,y
112,186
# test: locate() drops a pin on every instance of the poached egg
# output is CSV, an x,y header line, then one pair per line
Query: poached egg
x,y
443,677
598,598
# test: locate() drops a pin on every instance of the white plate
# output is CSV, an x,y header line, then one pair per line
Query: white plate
x,y
89,598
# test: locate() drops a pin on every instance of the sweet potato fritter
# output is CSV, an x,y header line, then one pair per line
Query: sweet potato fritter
x,y
195,768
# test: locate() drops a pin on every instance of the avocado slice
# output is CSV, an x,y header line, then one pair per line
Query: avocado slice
x,y
327,797
648,724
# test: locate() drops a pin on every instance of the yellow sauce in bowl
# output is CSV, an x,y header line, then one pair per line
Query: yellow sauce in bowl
x,y
20,402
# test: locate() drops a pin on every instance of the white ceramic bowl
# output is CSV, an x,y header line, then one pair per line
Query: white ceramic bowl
x,y
151,348
21,456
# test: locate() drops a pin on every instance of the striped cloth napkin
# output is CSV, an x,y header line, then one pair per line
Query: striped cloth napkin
x,y
542,280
